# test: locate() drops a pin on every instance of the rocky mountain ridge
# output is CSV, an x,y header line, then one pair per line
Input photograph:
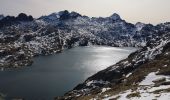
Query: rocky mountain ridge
x,y
53,33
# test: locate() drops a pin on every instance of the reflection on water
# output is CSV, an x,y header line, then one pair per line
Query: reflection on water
x,y
54,75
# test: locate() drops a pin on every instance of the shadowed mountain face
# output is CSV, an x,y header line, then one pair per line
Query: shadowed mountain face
x,y
10,20
24,17
1,17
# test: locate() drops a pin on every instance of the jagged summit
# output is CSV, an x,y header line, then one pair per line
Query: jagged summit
x,y
139,25
9,20
65,15
62,15
24,17
75,14
115,16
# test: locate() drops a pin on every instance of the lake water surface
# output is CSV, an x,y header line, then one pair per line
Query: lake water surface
x,y
54,75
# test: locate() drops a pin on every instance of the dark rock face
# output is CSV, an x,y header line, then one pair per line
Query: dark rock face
x,y
28,38
7,21
74,15
115,17
1,17
64,15
24,17
10,20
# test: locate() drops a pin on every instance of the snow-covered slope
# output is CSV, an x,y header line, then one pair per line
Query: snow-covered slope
x,y
152,87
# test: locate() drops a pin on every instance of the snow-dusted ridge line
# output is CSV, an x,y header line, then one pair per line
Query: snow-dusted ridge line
x,y
57,31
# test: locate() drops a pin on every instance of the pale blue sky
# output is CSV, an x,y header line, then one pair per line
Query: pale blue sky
x,y
148,11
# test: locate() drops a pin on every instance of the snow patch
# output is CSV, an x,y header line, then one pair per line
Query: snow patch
x,y
151,77
128,75
96,82
105,89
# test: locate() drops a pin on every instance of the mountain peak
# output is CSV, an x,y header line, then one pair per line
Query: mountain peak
x,y
139,25
64,12
62,15
74,14
115,16
24,17
1,17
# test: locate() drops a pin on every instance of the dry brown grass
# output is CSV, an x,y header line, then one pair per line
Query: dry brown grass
x,y
161,91
136,94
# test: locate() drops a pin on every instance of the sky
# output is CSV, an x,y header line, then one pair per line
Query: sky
x,y
147,11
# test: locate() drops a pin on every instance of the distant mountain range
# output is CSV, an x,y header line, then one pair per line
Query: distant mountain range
x,y
23,37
